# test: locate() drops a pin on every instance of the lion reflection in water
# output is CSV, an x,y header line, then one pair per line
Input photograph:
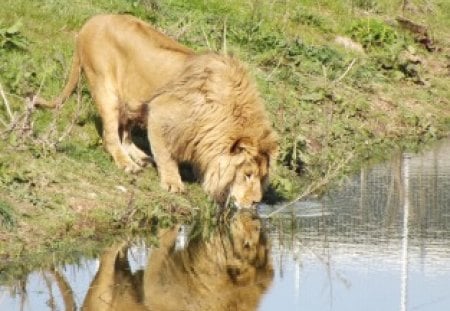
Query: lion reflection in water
x,y
229,271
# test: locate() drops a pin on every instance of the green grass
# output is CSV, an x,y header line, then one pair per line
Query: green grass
x,y
7,217
328,104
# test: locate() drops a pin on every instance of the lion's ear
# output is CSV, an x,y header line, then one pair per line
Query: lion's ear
x,y
269,146
241,144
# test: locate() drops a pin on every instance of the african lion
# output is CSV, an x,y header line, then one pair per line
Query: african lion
x,y
200,108
212,117
125,61
229,271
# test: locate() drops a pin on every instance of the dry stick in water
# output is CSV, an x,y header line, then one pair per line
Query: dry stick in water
x,y
331,174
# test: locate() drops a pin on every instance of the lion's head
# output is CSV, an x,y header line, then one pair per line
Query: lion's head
x,y
252,176
242,173
248,243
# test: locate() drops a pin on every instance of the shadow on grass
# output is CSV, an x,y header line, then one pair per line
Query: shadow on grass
x,y
272,196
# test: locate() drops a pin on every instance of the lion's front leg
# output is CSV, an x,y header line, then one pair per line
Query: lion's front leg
x,y
167,167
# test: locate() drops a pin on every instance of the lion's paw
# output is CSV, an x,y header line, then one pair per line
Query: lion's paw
x,y
173,186
131,168
144,161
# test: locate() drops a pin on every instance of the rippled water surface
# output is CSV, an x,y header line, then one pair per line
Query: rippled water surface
x,y
381,241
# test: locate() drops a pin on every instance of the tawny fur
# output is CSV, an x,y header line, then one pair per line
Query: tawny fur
x,y
212,117
201,108
125,60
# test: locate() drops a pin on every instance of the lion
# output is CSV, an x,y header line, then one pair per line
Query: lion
x,y
231,270
124,60
212,117
200,108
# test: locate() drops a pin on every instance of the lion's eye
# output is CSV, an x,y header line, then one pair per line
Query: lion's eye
x,y
248,176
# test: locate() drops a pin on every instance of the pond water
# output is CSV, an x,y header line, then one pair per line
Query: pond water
x,y
380,241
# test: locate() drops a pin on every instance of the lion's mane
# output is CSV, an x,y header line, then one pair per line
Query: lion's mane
x,y
225,122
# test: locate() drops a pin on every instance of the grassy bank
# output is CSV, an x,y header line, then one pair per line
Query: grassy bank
x,y
344,82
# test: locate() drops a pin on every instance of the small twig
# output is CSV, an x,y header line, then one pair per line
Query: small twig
x,y
24,124
52,128
206,39
130,211
331,174
77,114
5,101
345,72
40,86
224,46
274,69
182,31
18,123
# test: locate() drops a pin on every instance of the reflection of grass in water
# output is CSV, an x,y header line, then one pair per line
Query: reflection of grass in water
x,y
14,273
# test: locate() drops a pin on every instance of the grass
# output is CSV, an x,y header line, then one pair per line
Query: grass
x,y
333,106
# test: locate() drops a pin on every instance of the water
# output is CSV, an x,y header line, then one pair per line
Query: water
x,y
381,241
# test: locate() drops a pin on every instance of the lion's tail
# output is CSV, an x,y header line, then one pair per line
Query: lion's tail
x,y
72,82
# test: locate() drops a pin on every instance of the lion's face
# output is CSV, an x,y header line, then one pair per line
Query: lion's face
x,y
246,189
246,233
249,248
